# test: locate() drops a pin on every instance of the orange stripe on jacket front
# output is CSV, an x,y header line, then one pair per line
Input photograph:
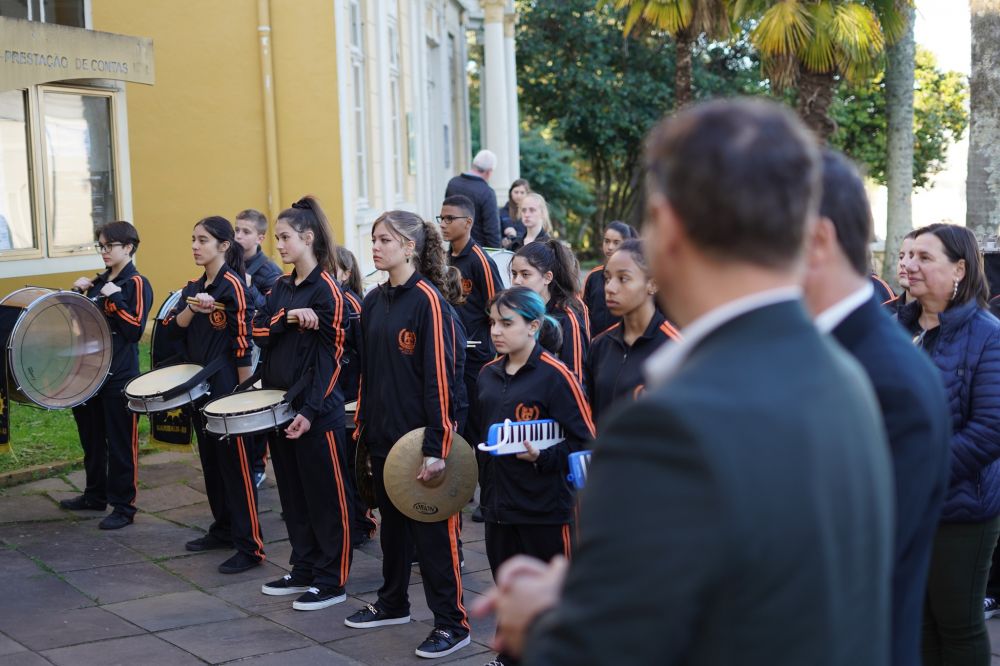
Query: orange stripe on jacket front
x,y
574,386
490,291
577,343
354,302
567,542
241,308
442,369
338,328
345,527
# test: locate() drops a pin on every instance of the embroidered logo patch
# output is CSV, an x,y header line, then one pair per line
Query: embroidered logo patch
x,y
407,341
466,286
217,319
525,412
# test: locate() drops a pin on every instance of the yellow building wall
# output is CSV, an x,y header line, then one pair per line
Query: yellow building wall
x,y
196,137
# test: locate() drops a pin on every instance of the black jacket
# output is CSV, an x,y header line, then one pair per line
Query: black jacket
x,y
883,292
263,273
519,241
601,318
221,333
764,461
517,491
516,225
486,221
480,283
127,312
350,362
917,422
292,354
613,369
407,367
575,336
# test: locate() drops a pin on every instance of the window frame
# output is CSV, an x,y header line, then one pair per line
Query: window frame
x,y
359,103
34,186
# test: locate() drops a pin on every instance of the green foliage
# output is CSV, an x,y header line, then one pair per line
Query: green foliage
x,y
548,165
940,118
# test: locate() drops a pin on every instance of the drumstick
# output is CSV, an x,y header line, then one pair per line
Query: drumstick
x,y
194,301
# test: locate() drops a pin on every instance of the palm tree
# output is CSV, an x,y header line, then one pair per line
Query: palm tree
x,y
983,185
685,21
808,44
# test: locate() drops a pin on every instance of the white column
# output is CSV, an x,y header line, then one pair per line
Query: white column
x,y
513,120
495,83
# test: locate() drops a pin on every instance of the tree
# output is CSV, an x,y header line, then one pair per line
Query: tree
x,y
684,21
899,83
983,184
549,166
809,44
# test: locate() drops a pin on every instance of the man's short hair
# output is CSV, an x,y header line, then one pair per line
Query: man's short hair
x,y
742,175
252,215
845,204
463,203
485,160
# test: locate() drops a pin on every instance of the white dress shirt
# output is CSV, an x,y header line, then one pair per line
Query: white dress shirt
x,y
829,319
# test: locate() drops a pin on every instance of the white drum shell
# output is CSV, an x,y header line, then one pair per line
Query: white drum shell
x,y
246,422
150,401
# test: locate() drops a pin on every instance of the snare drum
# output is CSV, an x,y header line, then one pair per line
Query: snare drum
x,y
145,392
247,412
58,347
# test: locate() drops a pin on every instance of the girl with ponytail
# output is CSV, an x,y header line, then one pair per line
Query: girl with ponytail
x,y
310,454
616,233
550,270
408,381
527,503
216,329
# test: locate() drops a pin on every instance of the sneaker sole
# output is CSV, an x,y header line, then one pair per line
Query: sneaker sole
x,y
436,655
990,614
377,623
282,591
318,605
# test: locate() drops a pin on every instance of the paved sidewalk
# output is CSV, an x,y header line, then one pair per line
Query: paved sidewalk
x,y
76,595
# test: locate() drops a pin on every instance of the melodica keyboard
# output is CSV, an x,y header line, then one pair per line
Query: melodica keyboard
x,y
508,437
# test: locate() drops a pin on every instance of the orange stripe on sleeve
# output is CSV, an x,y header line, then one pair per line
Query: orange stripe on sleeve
x,y
338,329
577,392
440,365
490,291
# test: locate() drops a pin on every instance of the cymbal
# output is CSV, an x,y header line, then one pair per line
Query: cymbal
x,y
441,498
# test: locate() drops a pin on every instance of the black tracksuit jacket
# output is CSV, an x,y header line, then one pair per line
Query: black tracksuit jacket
x,y
263,273
127,312
575,336
291,353
220,333
408,367
480,283
517,491
350,362
613,370
601,318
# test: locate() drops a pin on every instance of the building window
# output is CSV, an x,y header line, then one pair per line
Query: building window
x,y
62,12
395,111
360,117
58,183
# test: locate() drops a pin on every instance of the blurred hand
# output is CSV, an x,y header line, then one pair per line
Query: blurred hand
x,y
83,284
530,453
205,303
110,288
430,471
299,426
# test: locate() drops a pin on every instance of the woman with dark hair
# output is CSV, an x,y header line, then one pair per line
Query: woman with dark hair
x,y
220,338
616,233
550,270
614,366
409,381
109,432
510,214
949,320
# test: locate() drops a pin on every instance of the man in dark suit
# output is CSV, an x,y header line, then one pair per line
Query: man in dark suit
x,y
757,457
908,387
475,185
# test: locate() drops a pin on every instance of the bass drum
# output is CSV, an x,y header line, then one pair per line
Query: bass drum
x,y
58,347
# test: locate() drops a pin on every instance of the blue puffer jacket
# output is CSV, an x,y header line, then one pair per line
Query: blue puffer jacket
x,y
968,355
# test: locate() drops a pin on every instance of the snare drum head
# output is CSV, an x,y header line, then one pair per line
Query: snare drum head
x,y
155,382
247,401
60,347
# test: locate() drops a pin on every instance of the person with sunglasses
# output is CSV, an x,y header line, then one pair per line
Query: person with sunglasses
x,y
108,431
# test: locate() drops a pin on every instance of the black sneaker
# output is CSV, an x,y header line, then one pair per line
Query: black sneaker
x,y
82,503
373,616
317,598
442,642
115,521
477,514
283,586
495,662
239,563
208,542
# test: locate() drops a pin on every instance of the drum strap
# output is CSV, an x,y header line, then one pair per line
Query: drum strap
x,y
290,395
205,373
251,380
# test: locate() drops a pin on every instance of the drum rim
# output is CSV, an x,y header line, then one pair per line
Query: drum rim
x,y
102,323
258,410
153,396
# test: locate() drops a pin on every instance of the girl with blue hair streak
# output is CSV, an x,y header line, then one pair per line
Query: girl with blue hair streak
x,y
527,502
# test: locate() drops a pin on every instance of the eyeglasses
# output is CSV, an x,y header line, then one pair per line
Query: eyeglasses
x,y
448,219
102,248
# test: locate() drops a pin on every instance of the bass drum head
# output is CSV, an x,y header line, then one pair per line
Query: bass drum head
x,y
59,349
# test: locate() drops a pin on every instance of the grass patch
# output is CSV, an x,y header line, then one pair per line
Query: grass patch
x,y
41,437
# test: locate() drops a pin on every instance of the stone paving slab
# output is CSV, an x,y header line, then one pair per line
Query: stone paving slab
x,y
202,569
77,479
247,595
395,645
309,656
154,537
29,508
40,592
154,476
10,646
197,483
144,650
54,483
198,516
160,457
321,626
43,631
126,582
67,546
225,641
170,611
168,497
278,553
57,495
272,527
25,659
